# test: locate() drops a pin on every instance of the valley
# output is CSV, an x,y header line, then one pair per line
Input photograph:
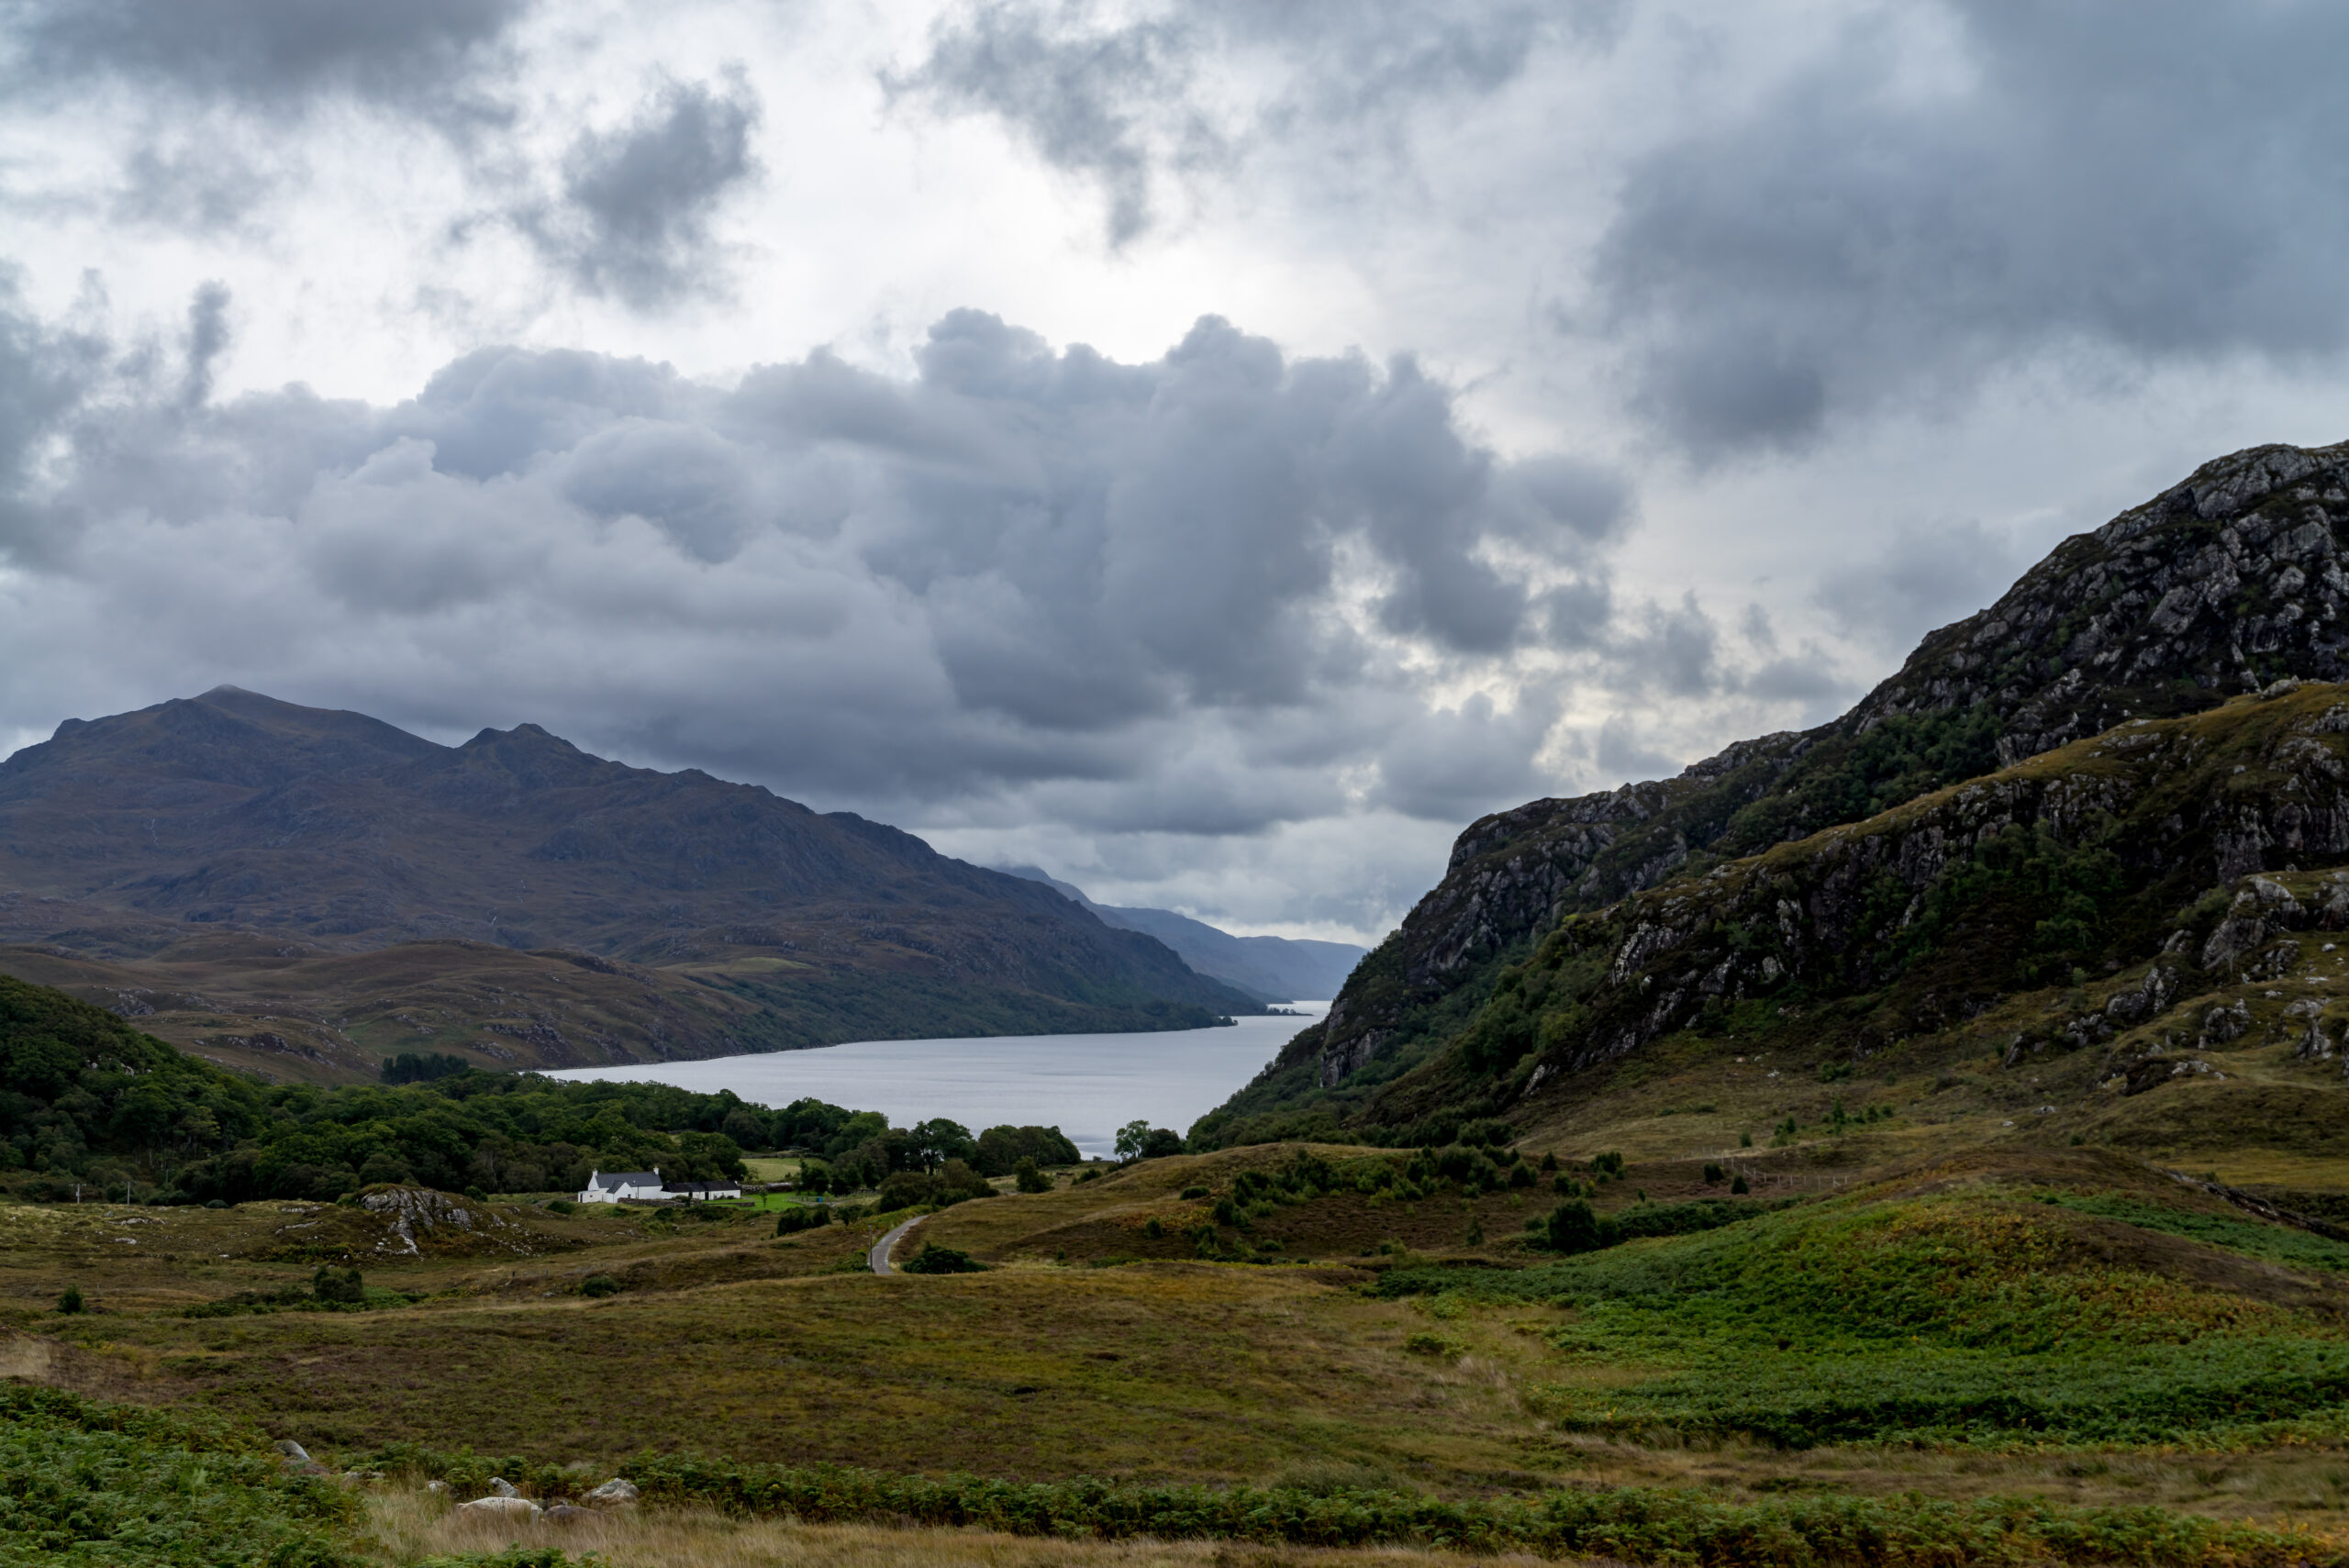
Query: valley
x,y
1923,1141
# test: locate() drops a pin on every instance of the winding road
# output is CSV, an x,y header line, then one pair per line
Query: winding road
x,y
879,1256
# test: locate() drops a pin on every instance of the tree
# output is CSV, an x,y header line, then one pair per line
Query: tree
x,y
937,1141
1573,1227
1130,1139
1029,1179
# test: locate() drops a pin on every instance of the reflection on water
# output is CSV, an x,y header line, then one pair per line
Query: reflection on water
x,y
1086,1085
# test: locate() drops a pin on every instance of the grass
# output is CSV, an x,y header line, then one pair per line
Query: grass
x,y
1929,1329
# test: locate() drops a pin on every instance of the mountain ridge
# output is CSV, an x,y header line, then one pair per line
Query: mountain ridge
x,y
233,812
2222,583
1271,969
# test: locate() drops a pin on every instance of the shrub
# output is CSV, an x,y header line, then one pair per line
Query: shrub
x,y
1572,1227
935,1260
1740,1185
1090,1173
340,1287
1153,1229
1549,1161
1607,1164
903,1189
68,1300
599,1284
795,1218
561,1206
1713,1173
1029,1179
1520,1175
1194,1192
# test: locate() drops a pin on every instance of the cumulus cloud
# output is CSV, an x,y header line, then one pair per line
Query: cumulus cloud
x,y
2161,182
1195,596
634,216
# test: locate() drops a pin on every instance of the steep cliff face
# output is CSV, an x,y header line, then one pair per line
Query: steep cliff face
x,y
2217,586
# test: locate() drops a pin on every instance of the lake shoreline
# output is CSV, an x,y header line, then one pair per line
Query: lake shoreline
x,y
1086,1085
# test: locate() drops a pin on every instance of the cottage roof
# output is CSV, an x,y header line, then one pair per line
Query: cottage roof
x,y
612,1181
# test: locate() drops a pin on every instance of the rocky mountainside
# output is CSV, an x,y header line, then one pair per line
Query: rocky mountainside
x,y
1271,969
124,839
2221,586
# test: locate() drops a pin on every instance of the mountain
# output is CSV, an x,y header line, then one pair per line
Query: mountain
x,y
2158,623
240,854
1271,969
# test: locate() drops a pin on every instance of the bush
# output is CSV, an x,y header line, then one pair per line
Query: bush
x,y
340,1287
68,1301
1572,1227
1520,1175
1548,1163
1189,1193
1740,1185
1713,1173
1029,1179
795,1218
903,1189
560,1205
935,1260
599,1285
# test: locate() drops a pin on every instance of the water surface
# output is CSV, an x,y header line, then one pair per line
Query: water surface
x,y
1086,1085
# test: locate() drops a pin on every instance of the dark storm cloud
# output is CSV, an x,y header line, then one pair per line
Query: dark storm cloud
x,y
637,202
271,53
1121,101
2161,180
1179,593
1916,579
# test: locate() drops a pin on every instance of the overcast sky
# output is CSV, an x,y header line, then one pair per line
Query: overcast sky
x,y
1213,451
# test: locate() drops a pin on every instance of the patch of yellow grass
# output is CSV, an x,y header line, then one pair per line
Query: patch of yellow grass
x,y
408,1527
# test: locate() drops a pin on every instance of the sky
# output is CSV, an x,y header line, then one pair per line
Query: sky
x,y
1211,452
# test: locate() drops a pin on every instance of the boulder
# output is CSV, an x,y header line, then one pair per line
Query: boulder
x,y
616,1493
501,1487
500,1508
565,1513
294,1452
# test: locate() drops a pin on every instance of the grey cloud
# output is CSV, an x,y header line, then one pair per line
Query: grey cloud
x,y
207,336
634,219
1018,580
1917,578
1123,101
2161,182
266,53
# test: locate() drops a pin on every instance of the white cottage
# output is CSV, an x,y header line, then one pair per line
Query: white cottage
x,y
610,1187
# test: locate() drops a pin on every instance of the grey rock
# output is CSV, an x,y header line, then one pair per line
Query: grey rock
x,y
618,1490
500,1508
292,1450
501,1487
564,1514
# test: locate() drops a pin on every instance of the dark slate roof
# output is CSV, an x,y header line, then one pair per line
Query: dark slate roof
x,y
605,1181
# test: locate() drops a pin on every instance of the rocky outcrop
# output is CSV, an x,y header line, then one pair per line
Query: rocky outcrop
x,y
2227,584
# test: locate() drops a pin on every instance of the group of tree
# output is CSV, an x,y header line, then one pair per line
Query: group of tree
x,y
85,1099
865,1152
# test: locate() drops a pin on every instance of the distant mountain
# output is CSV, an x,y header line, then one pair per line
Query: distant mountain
x,y
124,839
1273,969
